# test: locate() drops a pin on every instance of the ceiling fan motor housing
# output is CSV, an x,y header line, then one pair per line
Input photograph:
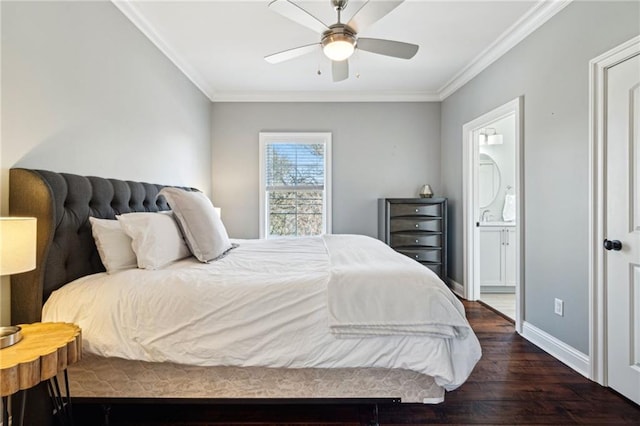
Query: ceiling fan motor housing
x,y
339,32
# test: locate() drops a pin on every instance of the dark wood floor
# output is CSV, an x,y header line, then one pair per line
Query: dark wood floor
x,y
514,383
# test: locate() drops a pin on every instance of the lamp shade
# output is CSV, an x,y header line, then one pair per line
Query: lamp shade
x,y
17,244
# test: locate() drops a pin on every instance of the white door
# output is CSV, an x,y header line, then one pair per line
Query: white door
x,y
491,259
510,256
622,227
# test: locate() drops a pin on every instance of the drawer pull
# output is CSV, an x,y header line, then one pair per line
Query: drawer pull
x,y
417,256
417,225
417,241
417,210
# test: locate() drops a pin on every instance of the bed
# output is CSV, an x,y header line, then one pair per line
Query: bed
x,y
273,333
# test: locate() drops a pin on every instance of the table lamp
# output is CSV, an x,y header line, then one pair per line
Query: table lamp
x,y
17,254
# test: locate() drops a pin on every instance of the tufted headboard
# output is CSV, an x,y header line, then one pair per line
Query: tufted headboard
x,y
62,203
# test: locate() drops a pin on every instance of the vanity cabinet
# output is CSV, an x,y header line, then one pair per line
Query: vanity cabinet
x,y
416,227
497,256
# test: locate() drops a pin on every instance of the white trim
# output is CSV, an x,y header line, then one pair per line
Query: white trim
x,y
528,23
471,277
570,356
295,138
456,287
129,10
597,285
326,96
532,20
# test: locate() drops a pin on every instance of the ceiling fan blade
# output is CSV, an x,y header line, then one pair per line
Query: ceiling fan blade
x,y
285,55
297,14
397,49
340,70
370,12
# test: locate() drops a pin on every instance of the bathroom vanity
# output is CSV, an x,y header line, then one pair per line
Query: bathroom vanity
x,y
497,257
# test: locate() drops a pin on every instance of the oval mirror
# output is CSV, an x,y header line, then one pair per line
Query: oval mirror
x,y
488,180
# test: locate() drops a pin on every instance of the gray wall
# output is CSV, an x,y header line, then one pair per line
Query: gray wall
x,y
83,91
379,150
550,68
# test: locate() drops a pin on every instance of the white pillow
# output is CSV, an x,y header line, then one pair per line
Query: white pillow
x,y
114,245
201,225
156,239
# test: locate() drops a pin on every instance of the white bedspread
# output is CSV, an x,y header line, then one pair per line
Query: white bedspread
x,y
372,291
264,304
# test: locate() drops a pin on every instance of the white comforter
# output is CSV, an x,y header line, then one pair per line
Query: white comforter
x,y
264,304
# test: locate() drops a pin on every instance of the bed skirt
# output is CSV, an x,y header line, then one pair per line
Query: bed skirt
x,y
95,377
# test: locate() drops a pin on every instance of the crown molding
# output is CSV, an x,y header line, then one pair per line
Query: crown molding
x,y
532,20
528,23
131,12
319,96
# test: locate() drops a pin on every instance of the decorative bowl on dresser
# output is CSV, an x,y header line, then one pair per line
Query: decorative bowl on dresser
x,y
416,227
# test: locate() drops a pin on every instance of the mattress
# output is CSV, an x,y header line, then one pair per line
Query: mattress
x,y
262,305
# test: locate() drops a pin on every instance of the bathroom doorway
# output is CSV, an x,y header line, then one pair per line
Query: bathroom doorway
x,y
492,209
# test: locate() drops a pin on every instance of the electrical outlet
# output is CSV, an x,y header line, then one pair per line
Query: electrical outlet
x,y
558,307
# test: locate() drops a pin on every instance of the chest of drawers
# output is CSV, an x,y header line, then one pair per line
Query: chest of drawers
x,y
416,227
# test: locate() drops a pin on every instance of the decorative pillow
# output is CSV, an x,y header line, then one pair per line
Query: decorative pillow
x,y
201,225
156,239
114,245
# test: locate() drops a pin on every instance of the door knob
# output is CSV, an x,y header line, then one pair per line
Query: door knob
x,y
615,245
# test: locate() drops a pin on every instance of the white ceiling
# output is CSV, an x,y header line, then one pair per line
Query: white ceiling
x,y
220,46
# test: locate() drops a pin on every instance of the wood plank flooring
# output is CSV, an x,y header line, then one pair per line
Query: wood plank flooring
x,y
514,383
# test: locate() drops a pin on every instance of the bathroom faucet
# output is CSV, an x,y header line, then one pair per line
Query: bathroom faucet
x,y
484,215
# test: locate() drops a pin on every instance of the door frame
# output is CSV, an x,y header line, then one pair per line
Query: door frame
x,y
470,155
598,68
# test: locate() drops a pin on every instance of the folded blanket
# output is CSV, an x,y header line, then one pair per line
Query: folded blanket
x,y
374,290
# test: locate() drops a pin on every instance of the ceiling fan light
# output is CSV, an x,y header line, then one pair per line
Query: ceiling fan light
x,y
338,47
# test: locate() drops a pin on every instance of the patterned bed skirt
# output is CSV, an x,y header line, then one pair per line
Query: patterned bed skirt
x,y
97,377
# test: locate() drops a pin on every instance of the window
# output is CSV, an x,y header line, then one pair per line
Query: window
x,y
295,184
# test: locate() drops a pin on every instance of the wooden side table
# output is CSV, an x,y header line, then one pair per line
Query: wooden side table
x,y
46,349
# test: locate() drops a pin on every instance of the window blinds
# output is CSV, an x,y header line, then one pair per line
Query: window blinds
x,y
295,166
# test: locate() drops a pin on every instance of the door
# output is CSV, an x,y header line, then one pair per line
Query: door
x,y
506,120
622,227
491,259
509,257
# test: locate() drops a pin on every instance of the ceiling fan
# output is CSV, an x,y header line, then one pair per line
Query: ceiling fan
x,y
339,41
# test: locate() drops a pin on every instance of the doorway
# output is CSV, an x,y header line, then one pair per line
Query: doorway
x,y
492,194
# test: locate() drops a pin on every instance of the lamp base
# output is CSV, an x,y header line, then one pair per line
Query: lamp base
x,y
10,336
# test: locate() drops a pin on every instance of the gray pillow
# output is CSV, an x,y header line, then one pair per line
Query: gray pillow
x,y
201,225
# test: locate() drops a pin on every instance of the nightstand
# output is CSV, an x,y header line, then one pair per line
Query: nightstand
x,y
46,349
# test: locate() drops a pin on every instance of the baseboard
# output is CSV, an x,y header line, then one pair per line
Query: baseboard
x,y
456,287
564,353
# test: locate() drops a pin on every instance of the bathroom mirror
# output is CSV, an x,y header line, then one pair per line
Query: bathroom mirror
x,y
489,180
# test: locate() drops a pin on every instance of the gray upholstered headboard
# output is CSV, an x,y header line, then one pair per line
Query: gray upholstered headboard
x,y
65,247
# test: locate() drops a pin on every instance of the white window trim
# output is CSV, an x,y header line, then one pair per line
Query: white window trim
x,y
292,138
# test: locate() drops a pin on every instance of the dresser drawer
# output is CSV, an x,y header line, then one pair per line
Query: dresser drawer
x,y
422,255
435,267
400,240
415,224
434,210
